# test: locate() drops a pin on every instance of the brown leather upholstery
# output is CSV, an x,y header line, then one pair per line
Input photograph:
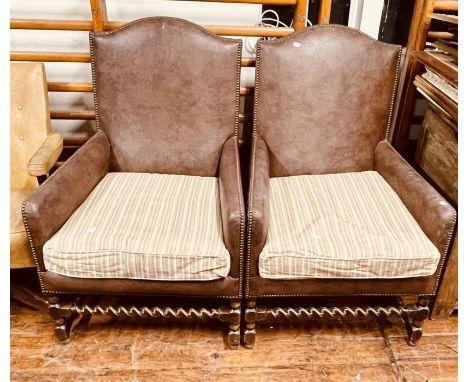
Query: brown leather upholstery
x,y
232,204
167,87
50,206
433,213
325,94
260,287
56,283
326,112
167,95
20,253
258,204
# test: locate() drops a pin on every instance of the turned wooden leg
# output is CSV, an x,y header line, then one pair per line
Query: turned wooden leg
x,y
234,325
62,329
63,316
250,317
414,320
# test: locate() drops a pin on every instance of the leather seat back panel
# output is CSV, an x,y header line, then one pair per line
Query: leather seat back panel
x,y
166,95
326,94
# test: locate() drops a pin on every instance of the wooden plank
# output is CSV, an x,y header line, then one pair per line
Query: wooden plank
x,y
435,356
69,87
75,114
76,57
225,30
249,31
300,15
246,91
324,12
90,115
109,349
433,370
432,329
447,296
98,14
446,5
207,371
435,35
447,18
49,56
46,24
428,348
248,61
125,344
88,87
102,24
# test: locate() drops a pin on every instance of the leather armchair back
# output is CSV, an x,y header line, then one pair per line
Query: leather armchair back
x,y
166,95
324,98
29,120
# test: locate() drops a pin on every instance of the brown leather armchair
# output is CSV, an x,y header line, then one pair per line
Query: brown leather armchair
x,y
333,209
152,204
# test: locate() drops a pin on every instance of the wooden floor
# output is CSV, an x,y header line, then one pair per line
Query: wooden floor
x,y
109,349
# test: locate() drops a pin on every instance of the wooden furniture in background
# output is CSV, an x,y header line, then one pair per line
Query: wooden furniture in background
x,y
325,12
416,57
447,297
33,149
437,157
100,22
437,151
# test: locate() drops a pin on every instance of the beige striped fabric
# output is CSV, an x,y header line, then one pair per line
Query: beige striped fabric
x,y
350,225
144,226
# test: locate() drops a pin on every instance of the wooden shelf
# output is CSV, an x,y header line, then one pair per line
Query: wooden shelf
x,y
438,63
443,17
440,100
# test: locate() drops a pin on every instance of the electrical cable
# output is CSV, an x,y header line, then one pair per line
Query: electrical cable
x,y
268,22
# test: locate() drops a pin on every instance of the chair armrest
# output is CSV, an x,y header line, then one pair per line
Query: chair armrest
x,y
46,156
434,214
258,214
232,203
50,205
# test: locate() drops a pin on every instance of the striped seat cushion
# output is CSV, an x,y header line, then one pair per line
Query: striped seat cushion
x,y
350,225
144,226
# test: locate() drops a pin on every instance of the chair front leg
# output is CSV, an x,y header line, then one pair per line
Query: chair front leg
x,y
250,318
63,316
414,318
252,315
234,325
232,315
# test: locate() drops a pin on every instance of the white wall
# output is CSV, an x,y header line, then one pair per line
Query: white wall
x,y
366,15
72,41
